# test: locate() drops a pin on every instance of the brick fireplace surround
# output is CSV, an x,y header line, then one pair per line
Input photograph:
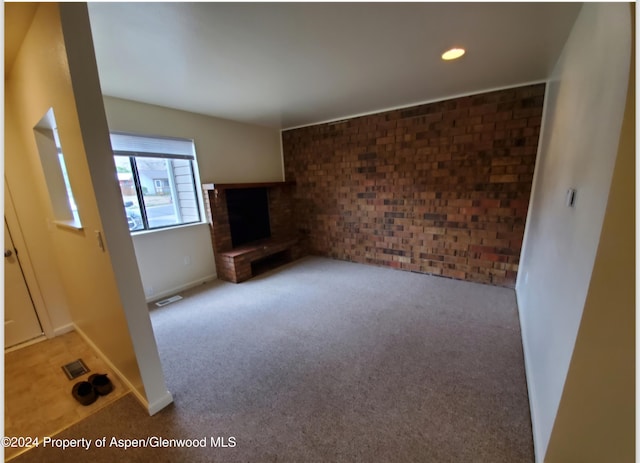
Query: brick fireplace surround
x,y
440,188
238,264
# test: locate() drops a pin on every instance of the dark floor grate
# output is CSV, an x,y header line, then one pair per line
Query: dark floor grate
x,y
75,369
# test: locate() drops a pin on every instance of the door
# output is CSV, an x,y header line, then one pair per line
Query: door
x,y
21,322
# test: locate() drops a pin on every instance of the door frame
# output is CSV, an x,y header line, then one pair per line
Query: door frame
x,y
25,262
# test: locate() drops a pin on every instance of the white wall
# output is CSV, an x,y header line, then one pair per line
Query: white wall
x,y
117,250
581,128
227,152
174,259
55,68
27,220
596,416
23,211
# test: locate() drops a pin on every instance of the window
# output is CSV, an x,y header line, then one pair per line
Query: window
x,y
67,184
63,205
157,178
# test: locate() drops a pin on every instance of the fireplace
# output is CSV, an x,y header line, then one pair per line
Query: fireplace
x,y
252,227
248,210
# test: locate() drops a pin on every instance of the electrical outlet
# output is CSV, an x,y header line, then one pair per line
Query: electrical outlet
x,y
187,260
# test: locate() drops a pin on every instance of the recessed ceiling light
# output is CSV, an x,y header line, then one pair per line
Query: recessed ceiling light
x,y
453,53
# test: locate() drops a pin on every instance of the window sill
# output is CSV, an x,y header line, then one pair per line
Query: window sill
x,y
167,229
69,224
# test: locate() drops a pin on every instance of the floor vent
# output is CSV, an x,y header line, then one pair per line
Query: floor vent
x,y
164,302
75,369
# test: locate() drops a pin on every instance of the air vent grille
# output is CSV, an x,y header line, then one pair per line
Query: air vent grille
x,y
164,302
75,369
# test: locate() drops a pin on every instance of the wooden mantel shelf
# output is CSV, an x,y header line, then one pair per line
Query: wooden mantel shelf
x,y
230,186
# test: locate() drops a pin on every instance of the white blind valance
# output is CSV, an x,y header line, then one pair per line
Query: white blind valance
x,y
136,145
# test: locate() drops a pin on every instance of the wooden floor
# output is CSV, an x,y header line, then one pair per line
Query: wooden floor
x,y
38,400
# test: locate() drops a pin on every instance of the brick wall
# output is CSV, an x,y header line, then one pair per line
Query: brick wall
x,y
440,188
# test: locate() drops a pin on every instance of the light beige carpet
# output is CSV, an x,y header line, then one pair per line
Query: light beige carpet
x,y
330,361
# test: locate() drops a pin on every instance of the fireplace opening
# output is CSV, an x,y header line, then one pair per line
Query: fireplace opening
x,y
248,210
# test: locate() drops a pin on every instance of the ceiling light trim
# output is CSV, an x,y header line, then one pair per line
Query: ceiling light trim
x,y
453,54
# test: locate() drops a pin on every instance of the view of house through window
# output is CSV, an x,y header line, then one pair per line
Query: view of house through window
x,y
157,181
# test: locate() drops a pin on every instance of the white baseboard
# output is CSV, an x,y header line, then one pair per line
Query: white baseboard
x,y
531,390
159,404
183,287
31,342
64,329
142,399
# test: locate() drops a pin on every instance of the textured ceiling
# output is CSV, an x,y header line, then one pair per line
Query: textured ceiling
x,y
290,64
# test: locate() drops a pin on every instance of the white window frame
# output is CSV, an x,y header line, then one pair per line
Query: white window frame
x,y
140,146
